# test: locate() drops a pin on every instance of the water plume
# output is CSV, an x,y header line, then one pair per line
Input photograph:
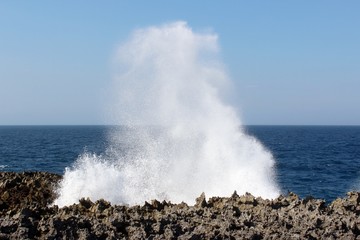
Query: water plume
x,y
177,138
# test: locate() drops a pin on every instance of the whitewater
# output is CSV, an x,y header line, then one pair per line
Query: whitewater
x,y
176,137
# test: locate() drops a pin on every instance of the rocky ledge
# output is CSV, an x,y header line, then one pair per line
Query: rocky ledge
x,y
26,214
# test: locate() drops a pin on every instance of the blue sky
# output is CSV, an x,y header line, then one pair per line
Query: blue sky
x,y
292,62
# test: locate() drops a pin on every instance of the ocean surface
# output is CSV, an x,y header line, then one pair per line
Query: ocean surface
x,y
318,161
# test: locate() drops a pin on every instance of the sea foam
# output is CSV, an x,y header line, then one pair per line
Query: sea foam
x,y
177,138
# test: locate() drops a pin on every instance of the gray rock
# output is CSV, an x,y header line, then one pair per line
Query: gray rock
x,y
25,214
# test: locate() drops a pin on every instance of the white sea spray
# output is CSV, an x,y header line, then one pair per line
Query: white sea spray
x,y
180,138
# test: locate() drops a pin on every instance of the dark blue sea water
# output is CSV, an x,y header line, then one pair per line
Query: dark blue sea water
x,y
321,161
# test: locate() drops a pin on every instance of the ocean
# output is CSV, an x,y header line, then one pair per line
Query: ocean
x,y
318,161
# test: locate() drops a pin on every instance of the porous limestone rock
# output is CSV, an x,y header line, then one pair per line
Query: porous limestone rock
x,y
26,213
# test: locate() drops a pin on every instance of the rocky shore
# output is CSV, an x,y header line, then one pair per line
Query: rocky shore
x,y
25,213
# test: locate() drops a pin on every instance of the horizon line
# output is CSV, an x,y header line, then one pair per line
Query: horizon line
x,y
84,125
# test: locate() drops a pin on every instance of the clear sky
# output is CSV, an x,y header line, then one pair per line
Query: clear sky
x,y
292,62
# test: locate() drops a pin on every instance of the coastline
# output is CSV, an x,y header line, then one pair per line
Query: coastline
x,y
25,212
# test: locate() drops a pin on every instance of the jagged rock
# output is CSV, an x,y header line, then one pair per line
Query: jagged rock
x,y
201,201
26,213
248,199
234,196
100,206
86,203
